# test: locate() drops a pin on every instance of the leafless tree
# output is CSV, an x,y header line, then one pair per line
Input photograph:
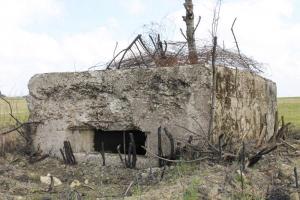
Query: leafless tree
x,y
190,30
215,24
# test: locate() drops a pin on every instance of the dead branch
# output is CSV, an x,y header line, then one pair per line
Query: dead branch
x,y
120,156
296,177
213,92
281,133
33,160
153,43
132,146
114,53
102,153
235,40
12,130
243,157
172,144
220,144
113,60
124,149
276,122
18,123
206,140
18,127
178,51
135,57
287,144
125,51
181,31
129,47
200,126
254,159
242,178
159,147
262,135
141,55
51,185
145,47
128,188
163,173
67,154
8,103
199,19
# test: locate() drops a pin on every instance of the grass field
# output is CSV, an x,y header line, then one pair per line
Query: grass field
x,y
19,108
289,107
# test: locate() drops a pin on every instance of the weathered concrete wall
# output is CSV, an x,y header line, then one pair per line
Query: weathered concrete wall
x,y
241,113
70,105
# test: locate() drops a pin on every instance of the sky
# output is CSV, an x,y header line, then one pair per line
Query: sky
x,y
40,36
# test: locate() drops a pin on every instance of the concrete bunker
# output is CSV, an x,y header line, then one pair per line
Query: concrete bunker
x,y
71,106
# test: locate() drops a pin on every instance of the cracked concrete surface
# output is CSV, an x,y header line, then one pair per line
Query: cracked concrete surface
x,y
72,105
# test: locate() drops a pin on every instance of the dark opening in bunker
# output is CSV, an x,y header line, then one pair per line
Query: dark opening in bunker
x,y
112,139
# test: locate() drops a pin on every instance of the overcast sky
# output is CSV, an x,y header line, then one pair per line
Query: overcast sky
x,y
39,36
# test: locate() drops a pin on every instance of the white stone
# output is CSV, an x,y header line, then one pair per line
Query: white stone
x,y
47,180
75,183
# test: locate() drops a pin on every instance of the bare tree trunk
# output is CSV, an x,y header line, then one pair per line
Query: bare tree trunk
x,y
190,30
213,91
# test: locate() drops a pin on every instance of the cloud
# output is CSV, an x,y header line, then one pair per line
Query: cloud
x,y
265,31
15,13
134,7
24,53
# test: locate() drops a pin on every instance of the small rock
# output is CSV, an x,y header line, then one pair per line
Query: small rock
x,y
239,172
294,196
22,164
47,180
75,183
144,175
286,172
86,181
277,181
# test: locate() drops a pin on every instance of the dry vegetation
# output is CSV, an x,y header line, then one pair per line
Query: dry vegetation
x,y
272,177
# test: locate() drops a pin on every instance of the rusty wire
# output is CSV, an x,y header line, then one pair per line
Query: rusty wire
x,y
148,52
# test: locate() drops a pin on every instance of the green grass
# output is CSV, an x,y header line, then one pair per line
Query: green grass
x,y
191,192
19,108
289,107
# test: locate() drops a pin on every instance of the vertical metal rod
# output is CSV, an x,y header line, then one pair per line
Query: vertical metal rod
x,y
160,162
103,153
296,177
124,148
133,151
242,178
243,156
